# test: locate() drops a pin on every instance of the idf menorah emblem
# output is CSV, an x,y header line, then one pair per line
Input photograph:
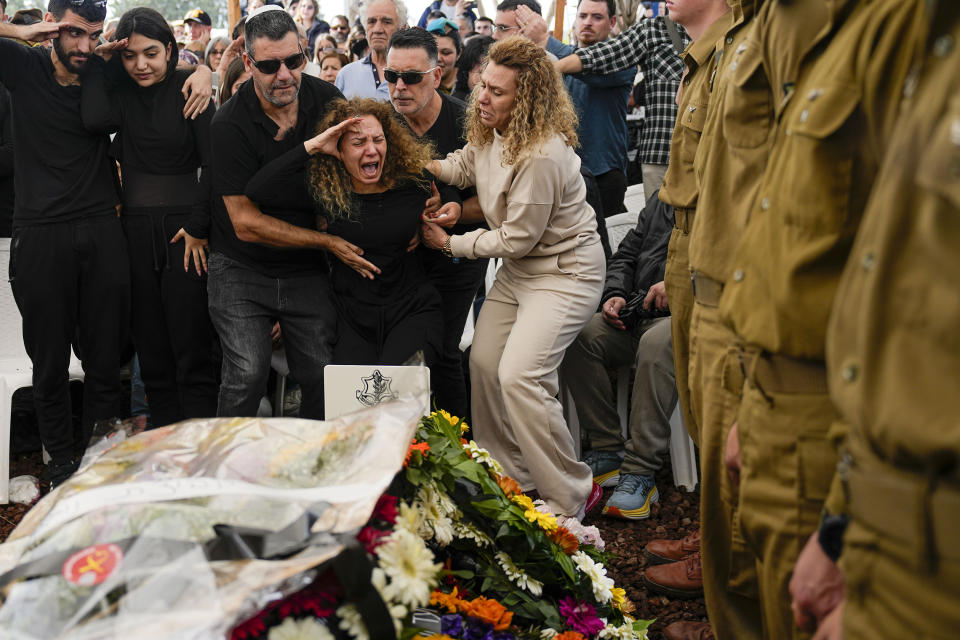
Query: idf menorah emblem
x,y
376,389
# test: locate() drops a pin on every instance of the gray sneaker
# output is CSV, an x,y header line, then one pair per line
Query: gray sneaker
x,y
632,497
605,466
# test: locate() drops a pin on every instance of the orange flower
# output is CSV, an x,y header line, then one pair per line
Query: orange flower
x,y
487,610
509,485
449,601
565,540
422,447
569,635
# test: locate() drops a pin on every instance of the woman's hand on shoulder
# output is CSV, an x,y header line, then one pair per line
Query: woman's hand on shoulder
x,y
328,142
197,91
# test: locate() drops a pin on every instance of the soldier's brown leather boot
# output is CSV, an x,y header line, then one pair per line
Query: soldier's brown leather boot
x,y
663,551
683,579
688,631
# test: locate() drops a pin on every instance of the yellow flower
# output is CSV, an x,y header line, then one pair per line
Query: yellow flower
x,y
619,596
523,501
445,415
546,521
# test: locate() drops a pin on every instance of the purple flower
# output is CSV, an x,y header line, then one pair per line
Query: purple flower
x,y
477,630
580,616
451,624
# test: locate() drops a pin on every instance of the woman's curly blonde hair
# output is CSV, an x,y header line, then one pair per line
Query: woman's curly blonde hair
x,y
405,159
541,107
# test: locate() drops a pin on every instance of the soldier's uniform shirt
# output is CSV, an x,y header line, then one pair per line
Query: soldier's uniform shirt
x,y
833,95
893,357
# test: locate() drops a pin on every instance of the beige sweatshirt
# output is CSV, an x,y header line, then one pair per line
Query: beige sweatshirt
x,y
536,208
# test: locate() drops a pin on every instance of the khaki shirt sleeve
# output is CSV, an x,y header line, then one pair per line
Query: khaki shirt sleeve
x,y
534,194
459,168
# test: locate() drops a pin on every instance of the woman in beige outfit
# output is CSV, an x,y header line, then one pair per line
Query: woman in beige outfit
x,y
521,134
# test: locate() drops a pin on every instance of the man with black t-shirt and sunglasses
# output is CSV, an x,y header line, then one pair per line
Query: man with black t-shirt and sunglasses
x,y
267,264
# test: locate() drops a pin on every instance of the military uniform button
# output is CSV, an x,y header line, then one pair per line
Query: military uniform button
x,y
765,204
943,46
738,275
868,260
729,39
850,373
804,115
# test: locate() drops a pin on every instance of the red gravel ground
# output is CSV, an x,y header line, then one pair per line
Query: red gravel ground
x,y
676,515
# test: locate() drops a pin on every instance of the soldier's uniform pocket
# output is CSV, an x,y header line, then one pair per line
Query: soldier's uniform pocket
x,y
821,126
747,116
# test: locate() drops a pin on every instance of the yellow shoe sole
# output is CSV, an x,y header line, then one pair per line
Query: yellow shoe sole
x,y
608,479
633,514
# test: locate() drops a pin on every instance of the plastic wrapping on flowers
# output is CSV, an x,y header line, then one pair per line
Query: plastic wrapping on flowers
x,y
185,531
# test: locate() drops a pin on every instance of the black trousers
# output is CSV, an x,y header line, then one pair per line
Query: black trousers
x,y
612,186
171,326
72,279
457,283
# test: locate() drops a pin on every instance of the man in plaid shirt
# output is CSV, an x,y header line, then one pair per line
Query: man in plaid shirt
x,y
648,45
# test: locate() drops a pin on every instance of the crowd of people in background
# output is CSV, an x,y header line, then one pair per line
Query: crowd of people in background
x,y
338,192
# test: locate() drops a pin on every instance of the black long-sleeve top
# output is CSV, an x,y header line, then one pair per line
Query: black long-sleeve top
x,y
382,225
640,260
6,164
159,151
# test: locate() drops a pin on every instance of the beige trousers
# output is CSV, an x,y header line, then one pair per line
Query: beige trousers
x,y
526,324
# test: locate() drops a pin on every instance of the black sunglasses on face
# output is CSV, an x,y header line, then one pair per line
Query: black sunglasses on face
x,y
270,67
408,77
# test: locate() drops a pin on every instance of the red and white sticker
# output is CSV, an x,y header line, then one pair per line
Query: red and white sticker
x,y
92,565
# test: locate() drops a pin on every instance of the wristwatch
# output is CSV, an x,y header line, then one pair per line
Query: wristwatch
x,y
445,249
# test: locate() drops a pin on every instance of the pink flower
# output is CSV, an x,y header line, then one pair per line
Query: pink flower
x,y
580,616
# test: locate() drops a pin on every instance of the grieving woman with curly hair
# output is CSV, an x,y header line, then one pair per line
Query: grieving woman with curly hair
x,y
367,177
521,135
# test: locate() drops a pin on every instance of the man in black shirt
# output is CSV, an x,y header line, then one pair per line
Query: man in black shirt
x,y
267,264
439,119
68,263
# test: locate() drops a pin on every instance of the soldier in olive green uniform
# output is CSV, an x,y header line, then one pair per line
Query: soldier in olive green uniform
x,y
729,164
679,190
893,357
832,125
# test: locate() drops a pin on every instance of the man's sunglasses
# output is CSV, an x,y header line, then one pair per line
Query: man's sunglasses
x,y
94,3
270,67
408,77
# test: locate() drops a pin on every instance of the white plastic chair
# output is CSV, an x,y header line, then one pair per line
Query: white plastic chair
x,y
16,370
635,199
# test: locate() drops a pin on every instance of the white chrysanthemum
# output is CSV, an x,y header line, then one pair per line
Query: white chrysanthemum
x,y
602,585
398,612
623,632
352,622
410,518
518,576
305,629
467,531
437,510
410,566
548,633
480,454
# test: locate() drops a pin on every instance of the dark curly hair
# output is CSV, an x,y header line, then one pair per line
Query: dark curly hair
x,y
405,159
